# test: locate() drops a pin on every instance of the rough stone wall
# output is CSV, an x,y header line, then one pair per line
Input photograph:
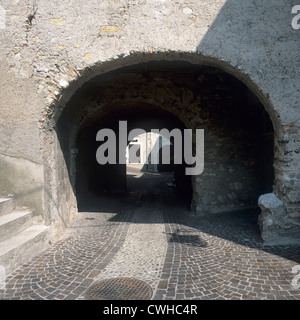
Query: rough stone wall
x,y
50,48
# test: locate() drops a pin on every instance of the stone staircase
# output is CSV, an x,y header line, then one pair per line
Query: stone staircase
x,y
21,235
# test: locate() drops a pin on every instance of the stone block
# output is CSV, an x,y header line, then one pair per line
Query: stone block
x,y
275,225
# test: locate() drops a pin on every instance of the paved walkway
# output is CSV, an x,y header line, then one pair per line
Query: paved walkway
x,y
150,236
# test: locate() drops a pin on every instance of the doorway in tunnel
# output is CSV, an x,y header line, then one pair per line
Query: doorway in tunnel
x,y
139,175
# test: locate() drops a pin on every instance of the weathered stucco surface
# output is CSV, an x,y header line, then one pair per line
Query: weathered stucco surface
x,y
50,48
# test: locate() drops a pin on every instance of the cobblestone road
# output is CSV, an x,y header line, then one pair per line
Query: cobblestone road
x,y
150,236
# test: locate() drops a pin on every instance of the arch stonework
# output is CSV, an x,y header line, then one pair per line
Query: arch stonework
x,y
49,58
69,202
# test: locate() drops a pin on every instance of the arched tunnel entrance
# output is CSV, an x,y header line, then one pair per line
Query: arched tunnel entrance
x,y
238,142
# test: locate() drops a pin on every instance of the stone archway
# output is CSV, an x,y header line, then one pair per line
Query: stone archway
x,y
197,99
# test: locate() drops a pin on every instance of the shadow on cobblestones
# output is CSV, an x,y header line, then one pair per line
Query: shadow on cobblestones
x,y
190,240
239,227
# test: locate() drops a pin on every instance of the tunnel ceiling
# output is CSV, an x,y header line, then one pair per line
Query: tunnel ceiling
x,y
180,88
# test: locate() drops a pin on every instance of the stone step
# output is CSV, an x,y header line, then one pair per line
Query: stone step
x,y
23,246
14,222
7,205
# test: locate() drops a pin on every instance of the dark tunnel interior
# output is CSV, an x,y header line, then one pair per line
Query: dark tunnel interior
x,y
238,147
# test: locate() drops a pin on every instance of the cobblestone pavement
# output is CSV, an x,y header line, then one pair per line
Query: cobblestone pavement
x,y
150,236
